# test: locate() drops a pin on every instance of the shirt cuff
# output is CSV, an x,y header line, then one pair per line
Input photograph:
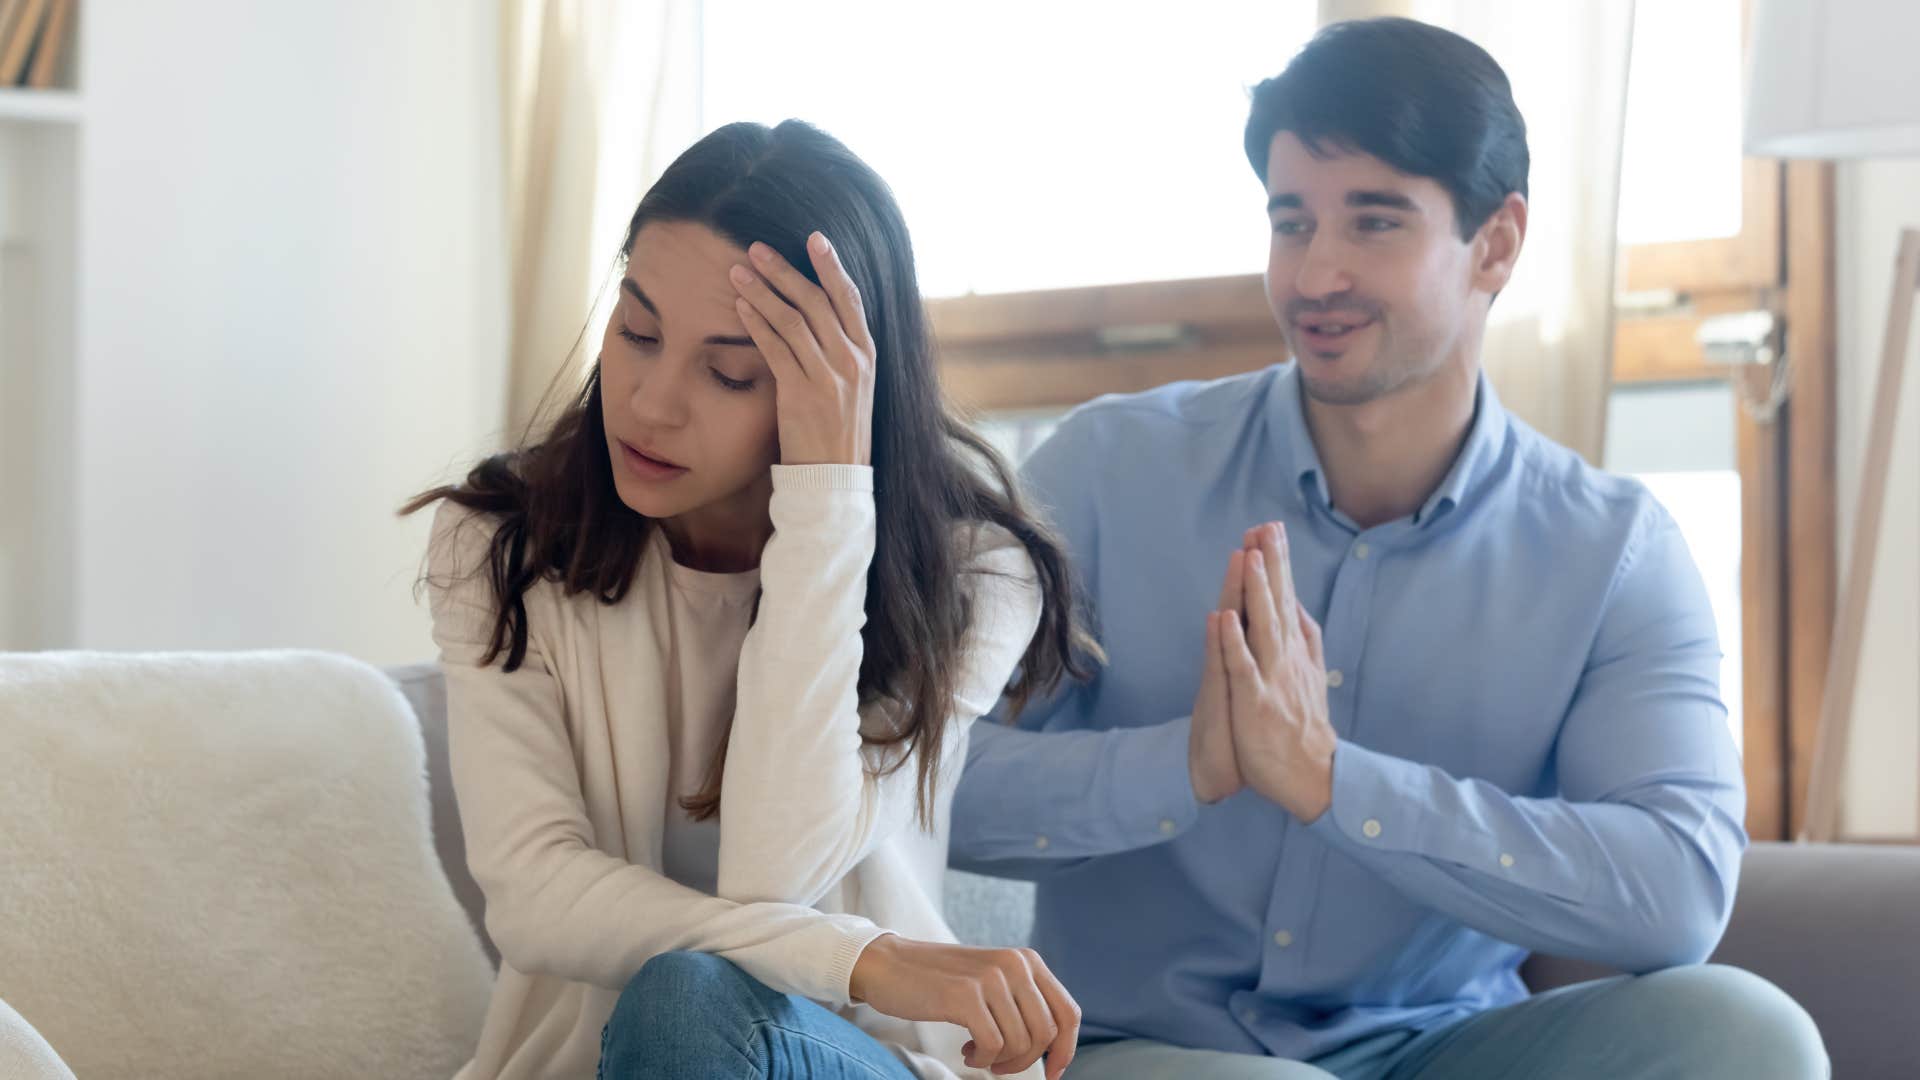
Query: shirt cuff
x,y
1153,800
1380,802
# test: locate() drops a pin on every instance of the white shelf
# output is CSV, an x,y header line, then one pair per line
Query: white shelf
x,y
40,106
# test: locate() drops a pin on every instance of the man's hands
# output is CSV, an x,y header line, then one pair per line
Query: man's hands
x,y
1211,762
1260,719
1007,1000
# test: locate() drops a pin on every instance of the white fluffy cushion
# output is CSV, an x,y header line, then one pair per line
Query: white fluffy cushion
x,y
24,1055
220,865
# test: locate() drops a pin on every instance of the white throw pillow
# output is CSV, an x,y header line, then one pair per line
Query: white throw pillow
x,y
221,865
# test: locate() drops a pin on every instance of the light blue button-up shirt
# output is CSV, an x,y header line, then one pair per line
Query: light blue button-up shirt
x,y
1533,755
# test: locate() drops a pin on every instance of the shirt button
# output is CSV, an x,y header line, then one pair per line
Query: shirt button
x,y
1040,843
1505,859
1166,827
1334,678
1249,1015
1283,939
1371,828
1360,551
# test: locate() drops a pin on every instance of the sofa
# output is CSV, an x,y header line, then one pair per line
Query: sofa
x,y
274,988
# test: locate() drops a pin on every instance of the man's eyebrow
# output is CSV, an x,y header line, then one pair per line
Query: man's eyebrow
x,y
1390,200
632,288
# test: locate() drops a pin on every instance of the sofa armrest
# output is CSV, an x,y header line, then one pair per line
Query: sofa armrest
x,y
24,1054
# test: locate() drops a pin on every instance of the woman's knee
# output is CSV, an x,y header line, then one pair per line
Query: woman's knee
x,y
680,1005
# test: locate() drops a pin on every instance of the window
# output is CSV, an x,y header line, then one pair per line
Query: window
x,y
1032,146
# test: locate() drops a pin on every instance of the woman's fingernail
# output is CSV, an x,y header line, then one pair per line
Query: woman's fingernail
x,y
760,252
818,242
742,275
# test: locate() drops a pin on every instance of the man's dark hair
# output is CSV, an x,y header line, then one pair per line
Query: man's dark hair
x,y
1424,100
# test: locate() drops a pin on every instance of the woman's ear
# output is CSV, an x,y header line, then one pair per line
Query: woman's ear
x,y
1497,246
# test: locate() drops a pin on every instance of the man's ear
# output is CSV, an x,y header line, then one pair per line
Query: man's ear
x,y
1497,245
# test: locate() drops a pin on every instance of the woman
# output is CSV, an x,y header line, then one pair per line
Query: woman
x,y
712,647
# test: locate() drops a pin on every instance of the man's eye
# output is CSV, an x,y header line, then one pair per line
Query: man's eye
x,y
1289,228
1377,224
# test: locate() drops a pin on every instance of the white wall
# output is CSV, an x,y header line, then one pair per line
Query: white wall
x,y
1875,200
292,314
37,239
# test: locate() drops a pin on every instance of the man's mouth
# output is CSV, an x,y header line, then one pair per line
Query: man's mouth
x,y
1333,327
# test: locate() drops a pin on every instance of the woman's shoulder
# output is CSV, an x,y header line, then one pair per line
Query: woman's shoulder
x,y
989,547
460,540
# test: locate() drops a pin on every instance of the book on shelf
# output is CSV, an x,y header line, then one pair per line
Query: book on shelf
x,y
53,44
10,12
17,43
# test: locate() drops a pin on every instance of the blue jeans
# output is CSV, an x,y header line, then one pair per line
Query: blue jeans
x,y
696,1016
1705,1022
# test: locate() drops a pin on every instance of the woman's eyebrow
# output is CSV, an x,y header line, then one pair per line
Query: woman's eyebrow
x,y
632,288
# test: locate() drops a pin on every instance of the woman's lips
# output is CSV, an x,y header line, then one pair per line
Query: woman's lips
x,y
648,468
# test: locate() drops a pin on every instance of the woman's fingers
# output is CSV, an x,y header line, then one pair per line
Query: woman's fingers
x,y
985,1046
1066,1016
1036,1015
841,292
779,357
791,326
1014,1040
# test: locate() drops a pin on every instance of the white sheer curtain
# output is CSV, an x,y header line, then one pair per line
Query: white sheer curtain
x,y
1549,342
597,96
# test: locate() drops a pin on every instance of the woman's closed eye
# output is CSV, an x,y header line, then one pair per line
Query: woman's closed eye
x,y
736,385
641,341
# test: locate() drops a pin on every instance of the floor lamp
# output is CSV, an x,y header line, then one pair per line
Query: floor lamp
x,y
1836,79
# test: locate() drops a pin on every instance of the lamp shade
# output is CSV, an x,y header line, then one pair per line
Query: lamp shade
x,y
1834,79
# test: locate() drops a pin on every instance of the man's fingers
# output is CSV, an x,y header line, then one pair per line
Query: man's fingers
x,y
1280,564
1242,672
1230,588
1215,669
1310,632
1264,625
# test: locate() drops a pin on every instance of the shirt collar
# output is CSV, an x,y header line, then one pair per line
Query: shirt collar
x,y
1486,435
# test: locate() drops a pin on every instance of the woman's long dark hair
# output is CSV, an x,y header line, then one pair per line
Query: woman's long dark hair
x,y
560,518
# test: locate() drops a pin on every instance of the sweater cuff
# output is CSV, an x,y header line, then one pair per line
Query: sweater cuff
x,y
848,955
823,478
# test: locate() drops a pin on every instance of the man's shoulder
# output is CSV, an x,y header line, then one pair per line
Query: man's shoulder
x,y
1583,499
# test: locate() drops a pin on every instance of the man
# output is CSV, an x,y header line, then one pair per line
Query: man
x,y
1464,700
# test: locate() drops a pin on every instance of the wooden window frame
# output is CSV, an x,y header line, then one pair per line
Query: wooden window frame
x,y
1782,261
